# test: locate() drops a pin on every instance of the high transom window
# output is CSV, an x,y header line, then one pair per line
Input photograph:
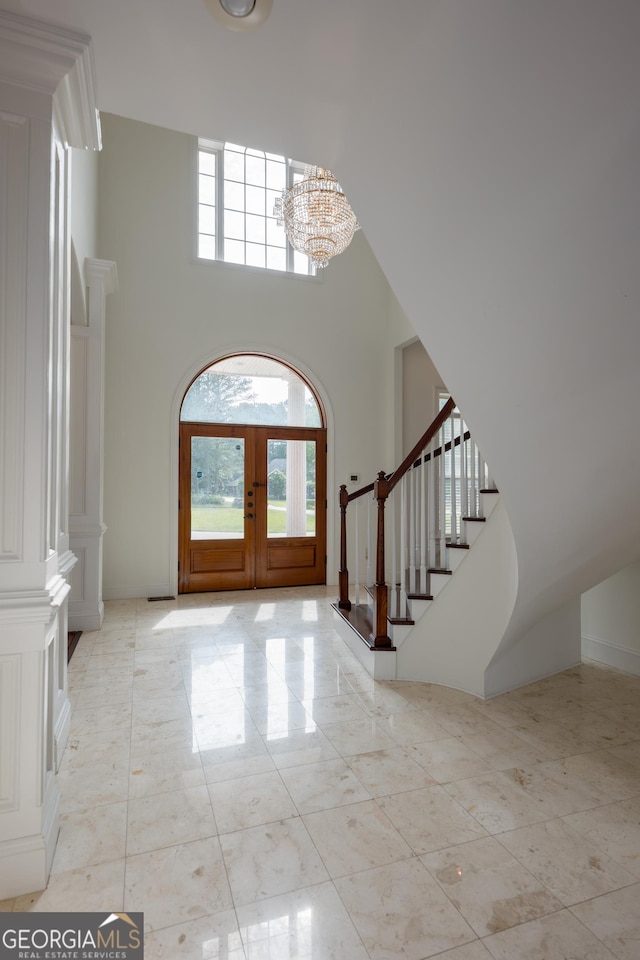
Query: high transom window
x,y
237,189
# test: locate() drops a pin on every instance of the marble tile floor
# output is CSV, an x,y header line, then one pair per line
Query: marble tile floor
x,y
235,774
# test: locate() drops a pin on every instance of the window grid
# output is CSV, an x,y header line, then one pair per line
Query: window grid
x,y
207,203
237,190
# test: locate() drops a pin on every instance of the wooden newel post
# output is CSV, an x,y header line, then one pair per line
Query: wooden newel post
x,y
379,636
343,574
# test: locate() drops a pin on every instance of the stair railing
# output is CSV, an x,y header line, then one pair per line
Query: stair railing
x,y
417,511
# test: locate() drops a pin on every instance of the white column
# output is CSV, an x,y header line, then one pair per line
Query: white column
x,y
46,104
86,524
296,464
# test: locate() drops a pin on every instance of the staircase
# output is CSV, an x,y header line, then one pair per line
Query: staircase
x,y
406,535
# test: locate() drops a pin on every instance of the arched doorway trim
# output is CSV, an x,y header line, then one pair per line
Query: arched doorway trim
x,y
318,388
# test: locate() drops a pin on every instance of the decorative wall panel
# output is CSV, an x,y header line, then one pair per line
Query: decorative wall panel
x,y
14,162
78,422
9,731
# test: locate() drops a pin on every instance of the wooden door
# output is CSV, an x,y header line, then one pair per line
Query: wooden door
x,y
252,506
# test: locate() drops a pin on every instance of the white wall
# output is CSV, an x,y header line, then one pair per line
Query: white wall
x,y
509,235
173,315
511,242
84,226
420,384
454,641
551,645
84,203
611,620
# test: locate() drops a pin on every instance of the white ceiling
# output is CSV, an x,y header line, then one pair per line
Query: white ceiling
x,y
285,86
491,151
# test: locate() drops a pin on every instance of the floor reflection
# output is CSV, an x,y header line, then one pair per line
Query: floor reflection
x,y
235,774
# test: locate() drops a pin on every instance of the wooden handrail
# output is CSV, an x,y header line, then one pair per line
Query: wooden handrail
x,y
381,488
447,447
409,460
359,493
436,453
425,439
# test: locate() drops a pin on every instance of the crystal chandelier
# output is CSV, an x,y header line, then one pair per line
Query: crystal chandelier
x,y
316,216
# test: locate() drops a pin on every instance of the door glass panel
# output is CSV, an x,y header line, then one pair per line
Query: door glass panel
x,y
217,488
291,476
250,389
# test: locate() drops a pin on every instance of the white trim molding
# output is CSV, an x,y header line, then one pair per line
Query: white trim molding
x,y
47,103
612,655
52,60
86,524
201,364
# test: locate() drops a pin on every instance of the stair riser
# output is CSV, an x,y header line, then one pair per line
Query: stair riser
x,y
438,582
380,664
488,501
455,558
472,530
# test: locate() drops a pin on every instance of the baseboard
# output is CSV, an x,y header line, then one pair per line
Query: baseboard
x,y
611,654
86,621
23,866
61,734
51,821
136,591
25,862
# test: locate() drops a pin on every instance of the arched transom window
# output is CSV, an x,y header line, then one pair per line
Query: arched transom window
x,y
251,389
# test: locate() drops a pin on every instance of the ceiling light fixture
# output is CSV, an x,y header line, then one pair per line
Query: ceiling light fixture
x,y
239,14
317,216
238,8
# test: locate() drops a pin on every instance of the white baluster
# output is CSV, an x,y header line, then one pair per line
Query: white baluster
x,y
404,556
357,551
454,496
432,505
411,507
490,482
482,470
370,503
393,586
479,484
464,480
422,585
442,519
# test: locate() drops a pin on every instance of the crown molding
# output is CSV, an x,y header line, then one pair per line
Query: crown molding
x,y
58,62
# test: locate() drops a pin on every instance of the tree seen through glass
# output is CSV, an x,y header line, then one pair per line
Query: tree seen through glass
x,y
251,390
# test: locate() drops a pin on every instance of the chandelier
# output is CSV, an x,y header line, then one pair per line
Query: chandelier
x,y
316,216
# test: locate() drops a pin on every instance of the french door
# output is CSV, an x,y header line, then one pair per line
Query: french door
x,y
252,506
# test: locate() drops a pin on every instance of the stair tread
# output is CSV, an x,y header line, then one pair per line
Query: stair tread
x,y
440,570
475,519
458,546
419,596
358,619
400,621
